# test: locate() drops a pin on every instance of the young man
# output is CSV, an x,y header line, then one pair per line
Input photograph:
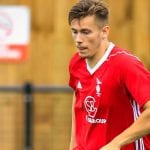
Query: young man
x,y
111,102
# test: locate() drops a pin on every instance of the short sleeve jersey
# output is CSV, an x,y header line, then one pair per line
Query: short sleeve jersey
x,y
109,98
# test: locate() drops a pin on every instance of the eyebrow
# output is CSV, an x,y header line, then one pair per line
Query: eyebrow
x,y
73,29
84,29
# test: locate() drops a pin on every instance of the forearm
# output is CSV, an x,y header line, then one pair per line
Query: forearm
x,y
72,141
138,129
71,144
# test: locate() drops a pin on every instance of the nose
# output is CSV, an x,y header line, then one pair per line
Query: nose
x,y
78,38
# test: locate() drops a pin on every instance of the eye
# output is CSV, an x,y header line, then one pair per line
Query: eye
x,y
86,32
74,31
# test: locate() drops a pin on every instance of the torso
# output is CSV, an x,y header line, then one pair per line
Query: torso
x,y
103,108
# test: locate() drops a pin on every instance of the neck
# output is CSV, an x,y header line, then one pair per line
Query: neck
x,y
94,60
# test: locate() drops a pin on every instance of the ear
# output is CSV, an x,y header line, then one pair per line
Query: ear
x,y
105,32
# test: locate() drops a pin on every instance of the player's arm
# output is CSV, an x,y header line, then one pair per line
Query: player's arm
x,y
72,141
138,129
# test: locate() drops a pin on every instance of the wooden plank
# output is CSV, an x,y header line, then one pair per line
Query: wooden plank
x,y
120,22
9,123
141,30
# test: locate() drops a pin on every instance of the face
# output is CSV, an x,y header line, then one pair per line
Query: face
x,y
88,36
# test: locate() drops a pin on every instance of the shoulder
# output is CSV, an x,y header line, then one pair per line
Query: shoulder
x,y
75,61
127,64
123,58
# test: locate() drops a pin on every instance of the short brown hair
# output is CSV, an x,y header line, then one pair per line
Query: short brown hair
x,y
86,8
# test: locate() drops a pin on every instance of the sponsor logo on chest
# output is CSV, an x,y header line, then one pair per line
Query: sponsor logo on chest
x,y
90,103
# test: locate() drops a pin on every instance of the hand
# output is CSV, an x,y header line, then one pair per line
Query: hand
x,y
110,146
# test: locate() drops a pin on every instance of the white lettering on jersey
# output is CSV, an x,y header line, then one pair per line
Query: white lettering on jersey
x,y
92,120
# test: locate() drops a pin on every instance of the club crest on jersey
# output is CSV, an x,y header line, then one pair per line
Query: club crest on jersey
x,y
98,87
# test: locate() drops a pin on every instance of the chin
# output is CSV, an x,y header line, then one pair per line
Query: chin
x,y
83,56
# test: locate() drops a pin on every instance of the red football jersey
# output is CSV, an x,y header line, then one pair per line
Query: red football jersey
x,y
108,98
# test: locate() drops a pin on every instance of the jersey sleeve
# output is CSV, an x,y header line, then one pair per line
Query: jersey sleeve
x,y
71,74
136,79
71,81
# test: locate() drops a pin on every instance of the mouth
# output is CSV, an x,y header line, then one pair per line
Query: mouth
x,y
83,51
81,48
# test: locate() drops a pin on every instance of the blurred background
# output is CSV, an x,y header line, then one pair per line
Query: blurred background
x,y
35,101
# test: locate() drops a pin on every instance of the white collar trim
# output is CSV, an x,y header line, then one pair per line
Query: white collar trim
x,y
102,60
